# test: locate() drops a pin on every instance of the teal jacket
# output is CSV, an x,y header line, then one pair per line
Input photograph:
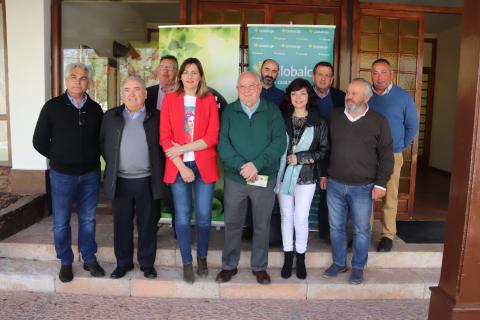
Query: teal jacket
x,y
261,139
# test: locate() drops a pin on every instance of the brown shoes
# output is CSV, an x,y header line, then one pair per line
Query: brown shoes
x,y
262,277
226,275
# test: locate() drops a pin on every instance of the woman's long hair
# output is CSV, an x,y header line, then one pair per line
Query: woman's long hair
x,y
296,85
202,89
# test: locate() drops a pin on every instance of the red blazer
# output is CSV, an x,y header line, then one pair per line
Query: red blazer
x,y
172,128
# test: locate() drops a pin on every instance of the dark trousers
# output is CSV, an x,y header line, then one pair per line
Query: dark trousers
x,y
135,196
323,226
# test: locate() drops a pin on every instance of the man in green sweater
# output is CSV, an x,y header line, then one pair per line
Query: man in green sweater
x,y
252,139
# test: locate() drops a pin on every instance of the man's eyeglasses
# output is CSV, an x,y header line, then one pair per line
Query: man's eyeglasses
x,y
167,67
249,87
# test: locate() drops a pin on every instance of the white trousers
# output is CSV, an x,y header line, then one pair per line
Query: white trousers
x,y
294,211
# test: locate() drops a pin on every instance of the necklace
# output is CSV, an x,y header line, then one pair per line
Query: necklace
x,y
298,124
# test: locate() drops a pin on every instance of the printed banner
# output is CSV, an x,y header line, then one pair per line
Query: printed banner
x,y
297,48
217,48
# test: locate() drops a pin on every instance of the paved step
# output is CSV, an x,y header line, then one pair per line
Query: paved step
x,y
380,283
36,243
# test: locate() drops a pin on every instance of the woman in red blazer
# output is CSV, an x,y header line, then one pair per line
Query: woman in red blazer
x,y
189,128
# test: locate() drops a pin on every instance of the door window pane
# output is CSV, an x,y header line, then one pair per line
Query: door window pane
x,y
211,17
369,24
232,17
369,42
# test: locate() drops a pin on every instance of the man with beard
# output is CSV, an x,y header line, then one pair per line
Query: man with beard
x,y
268,75
361,162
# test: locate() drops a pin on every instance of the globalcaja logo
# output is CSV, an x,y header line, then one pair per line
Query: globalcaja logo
x,y
291,71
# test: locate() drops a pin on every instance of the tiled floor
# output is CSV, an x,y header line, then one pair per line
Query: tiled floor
x,y
27,305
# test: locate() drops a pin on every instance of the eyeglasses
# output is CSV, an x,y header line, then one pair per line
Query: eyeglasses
x,y
167,67
247,87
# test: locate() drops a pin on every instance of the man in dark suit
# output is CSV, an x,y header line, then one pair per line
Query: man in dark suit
x,y
166,74
328,98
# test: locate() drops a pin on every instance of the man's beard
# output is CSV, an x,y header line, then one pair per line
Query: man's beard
x,y
268,80
353,108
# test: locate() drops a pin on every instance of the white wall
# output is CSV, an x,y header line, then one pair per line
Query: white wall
x,y
29,72
445,99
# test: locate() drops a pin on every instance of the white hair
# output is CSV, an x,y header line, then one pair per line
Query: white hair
x,y
134,78
69,68
368,87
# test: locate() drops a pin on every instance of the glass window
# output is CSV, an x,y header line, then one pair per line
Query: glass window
x,y
116,42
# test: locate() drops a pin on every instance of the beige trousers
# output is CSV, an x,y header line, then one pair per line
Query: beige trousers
x,y
389,211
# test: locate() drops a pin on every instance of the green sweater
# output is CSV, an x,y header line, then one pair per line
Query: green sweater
x,y
261,139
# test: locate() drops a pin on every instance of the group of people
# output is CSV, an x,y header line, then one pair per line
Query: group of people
x,y
276,147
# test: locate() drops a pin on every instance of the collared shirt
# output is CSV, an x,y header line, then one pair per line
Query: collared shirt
x,y
353,119
74,102
386,91
249,111
136,115
321,95
162,91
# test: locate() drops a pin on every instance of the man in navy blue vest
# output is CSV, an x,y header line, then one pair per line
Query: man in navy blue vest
x,y
328,98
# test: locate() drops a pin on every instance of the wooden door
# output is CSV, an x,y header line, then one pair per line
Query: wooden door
x,y
398,37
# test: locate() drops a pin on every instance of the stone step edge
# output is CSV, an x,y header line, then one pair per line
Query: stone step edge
x,y
172,257
379,283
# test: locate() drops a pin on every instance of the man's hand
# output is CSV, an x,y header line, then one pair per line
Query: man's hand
x,y
292,160
174,151
323,183
248,171
378,193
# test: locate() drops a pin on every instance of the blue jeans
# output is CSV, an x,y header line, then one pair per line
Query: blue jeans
x,y
67,190
182,200
341,199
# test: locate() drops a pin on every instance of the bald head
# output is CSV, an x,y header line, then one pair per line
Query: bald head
x,y
249,88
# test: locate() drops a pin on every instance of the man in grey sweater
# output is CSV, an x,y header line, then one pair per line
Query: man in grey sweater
x,y
133,176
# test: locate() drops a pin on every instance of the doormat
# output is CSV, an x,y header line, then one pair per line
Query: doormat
x,y
421,231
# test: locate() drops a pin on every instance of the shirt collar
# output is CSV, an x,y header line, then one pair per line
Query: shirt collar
x,y
74,102
353,119
320,94
390,86
136,115
249,111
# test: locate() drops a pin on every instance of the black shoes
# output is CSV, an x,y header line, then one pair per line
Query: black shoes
x,y
202,267
226,275
300,269
95,269
287,265
120,272
188,275
385,245
66,273
262,277
149,272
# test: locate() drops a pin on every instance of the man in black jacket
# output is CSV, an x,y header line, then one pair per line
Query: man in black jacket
x,y
67,134
166,74
328,99
129,142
